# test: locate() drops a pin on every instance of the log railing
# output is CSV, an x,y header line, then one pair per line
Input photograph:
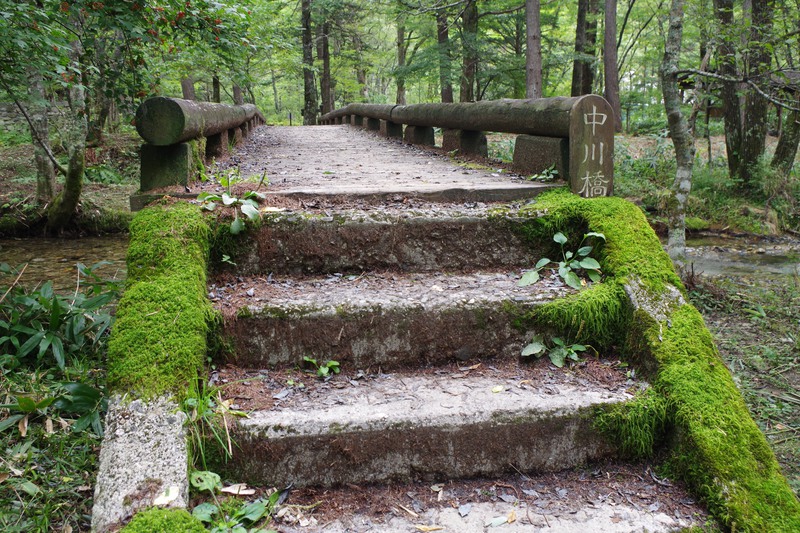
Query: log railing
x,y
181,134
575,135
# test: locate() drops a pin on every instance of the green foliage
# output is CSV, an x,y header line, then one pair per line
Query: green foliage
x,y
248,204
47,328
571,264
209,421
559,353
231,515
104,174
322,370
164,521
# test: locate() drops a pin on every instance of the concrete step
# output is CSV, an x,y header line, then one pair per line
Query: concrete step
x,y
434,238
474,421
608,497
379,320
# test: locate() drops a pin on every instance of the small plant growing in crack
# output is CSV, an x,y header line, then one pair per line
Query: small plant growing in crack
x,y
248,204
571,264
231,514
325,369
559,352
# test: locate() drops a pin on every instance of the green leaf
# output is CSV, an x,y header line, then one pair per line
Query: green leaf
x,y
594,275
560,238
10,421
210,206
237,226
25,404
228,200
205,480
558,356
250,211
558,342
205,512
543,262
253,512
584,251
595,234
573,280
536,347
568,255
563,270
58,351
30,344
30,488
590,263
209,197
578,347
529,278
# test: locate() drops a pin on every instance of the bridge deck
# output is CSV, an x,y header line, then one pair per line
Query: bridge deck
x,y
344,160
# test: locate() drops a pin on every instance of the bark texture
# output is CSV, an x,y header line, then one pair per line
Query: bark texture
x,y
469,21
533,55
681,136
309,87
445,60
610,69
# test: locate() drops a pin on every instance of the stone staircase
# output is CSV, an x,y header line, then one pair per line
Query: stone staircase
x,y
421,310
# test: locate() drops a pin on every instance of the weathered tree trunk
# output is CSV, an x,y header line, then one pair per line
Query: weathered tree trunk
x,y
680,134
758,60
579,63
187,88
215,89
65,205
40,131
533,55
786,151
238,98
611,73
402,51
469,43
309,88
445,61
323,53
726,65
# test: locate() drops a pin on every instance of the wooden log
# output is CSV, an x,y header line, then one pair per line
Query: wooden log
x,y
164,121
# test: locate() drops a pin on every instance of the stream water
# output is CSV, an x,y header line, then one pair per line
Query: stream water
x,y
56,259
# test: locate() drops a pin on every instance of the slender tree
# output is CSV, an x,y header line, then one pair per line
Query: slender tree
x,y
679,132
533,55
309,87
445,59
469,41
610,69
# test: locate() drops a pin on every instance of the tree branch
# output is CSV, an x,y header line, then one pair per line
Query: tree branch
x,y
34,132
731,79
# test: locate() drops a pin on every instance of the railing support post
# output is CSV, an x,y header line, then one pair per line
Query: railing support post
x,y
422,135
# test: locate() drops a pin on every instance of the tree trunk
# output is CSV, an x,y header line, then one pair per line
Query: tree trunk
x,y
611,73
361,72
579,62
680,134
323,53
40,130
443,37
786,151
187,88
469,42
754,136
402,50
309,88
238,98
726,55
65,204
215,89
533,55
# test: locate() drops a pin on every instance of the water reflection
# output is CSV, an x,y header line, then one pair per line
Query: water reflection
x,y
56,259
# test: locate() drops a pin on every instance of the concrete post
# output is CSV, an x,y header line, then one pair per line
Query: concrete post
x,y
373,124
217,145
391,130
422,135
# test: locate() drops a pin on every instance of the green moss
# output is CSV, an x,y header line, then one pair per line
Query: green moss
x,y
168,238
716,447
159,343
164,521
638,425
